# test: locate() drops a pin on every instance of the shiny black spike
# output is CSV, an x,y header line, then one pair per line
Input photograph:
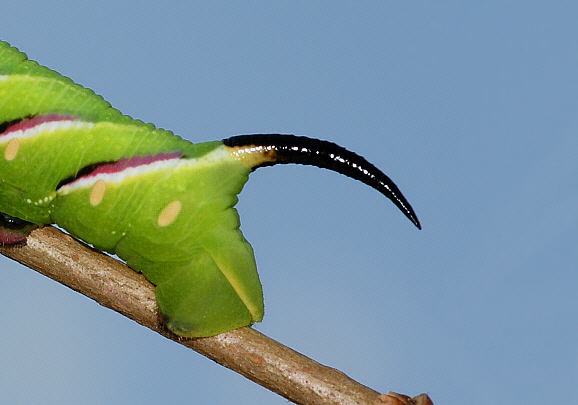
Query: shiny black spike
x,y
282,149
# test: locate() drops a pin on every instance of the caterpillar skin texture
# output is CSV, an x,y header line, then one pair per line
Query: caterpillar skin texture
x,y
161,203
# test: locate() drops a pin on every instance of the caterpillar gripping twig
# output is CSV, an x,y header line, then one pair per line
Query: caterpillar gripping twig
x,y
161,203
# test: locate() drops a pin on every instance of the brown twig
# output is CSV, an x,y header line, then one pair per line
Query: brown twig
x,y
246,351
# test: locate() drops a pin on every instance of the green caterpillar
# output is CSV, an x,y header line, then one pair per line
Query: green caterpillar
x,y
161,203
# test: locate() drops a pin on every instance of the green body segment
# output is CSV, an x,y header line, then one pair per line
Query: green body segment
x,y
28,89
203,267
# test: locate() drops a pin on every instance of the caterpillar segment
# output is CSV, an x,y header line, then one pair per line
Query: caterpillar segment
x,y
164,205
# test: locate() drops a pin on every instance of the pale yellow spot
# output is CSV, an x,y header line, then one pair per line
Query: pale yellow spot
x,y
12,149
97,192
169,213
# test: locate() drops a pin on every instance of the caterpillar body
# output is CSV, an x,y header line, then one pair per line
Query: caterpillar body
x,y
162,204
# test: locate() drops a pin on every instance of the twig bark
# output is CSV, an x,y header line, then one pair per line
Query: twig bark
x,y
246,351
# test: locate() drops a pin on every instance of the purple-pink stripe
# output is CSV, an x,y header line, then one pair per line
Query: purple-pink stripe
x,y
30,123
135,161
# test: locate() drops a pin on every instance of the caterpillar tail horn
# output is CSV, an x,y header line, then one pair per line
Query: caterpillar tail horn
x,y
270,149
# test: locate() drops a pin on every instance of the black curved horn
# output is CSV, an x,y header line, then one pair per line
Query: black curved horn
x,y
270,149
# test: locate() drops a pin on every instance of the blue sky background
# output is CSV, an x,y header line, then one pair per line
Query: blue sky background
x,y
469,106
